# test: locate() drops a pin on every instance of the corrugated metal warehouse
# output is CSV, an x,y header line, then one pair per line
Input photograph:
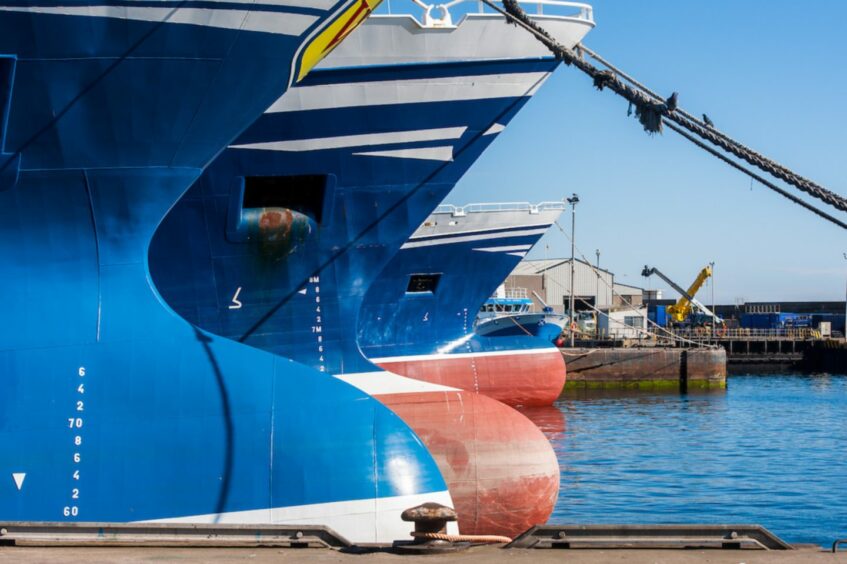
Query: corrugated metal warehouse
x,y
550,279
594,288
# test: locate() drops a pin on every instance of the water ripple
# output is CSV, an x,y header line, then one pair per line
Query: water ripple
x,y
770,450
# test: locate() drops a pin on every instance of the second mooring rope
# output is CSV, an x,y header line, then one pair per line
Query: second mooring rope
x,y
485,539
652,109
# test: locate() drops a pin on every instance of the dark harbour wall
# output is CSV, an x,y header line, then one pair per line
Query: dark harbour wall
x,y
645,368
826,356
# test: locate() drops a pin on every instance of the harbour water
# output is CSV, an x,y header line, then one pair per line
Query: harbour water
x,y
769,449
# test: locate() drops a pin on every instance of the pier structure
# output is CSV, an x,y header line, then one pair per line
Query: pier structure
x,y
826,356
645,368
759,346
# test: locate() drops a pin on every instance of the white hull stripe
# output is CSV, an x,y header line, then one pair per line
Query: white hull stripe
x,y
419,90
280,23
359,521
494,129
485,228
313,4
522,254
441,154
469,238
448,356
504,249
363,140
382,382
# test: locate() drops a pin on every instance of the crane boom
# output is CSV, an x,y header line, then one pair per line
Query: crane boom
x,y
682,308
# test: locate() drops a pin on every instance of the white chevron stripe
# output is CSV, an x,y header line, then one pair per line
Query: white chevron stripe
x,y
280,23
382,383
443,154
521,254
446,356
448,89
468,238
496,128
363,140
503,249
315,4
359,520
474,231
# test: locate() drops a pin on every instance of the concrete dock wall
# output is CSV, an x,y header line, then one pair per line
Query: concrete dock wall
x,y
645,368
826,356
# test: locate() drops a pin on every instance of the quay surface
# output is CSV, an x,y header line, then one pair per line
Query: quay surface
x,y
798,348
645,368
477,555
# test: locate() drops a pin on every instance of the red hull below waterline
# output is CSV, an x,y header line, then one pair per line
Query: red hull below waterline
x,y
524,378
501,470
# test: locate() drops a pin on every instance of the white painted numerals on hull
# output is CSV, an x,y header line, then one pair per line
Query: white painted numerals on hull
x,y
317,328
76,426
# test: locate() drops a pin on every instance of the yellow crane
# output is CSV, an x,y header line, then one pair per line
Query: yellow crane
x,y
680,311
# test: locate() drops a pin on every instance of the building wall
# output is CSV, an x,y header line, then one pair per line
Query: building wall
x,y
553,284
626,296
586,284
615,323
532,283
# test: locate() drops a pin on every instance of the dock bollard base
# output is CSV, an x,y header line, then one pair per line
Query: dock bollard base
x,y
431,547
33,533
650,536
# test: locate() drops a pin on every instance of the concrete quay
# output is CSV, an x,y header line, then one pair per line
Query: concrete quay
x,y
645,368
826,356
477,555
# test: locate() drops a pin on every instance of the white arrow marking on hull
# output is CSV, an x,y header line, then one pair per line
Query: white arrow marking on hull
x,y
19,479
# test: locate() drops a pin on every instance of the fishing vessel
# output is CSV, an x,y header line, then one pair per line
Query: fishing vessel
x,y
114,408
419,317
278,242
510,311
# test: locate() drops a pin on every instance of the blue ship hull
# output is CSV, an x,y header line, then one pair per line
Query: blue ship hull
x,y
246,256
541,325
214,266
115,408
431,335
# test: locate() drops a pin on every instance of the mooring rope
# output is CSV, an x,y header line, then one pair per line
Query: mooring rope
x,y
651,109
758,178
487,539
513,320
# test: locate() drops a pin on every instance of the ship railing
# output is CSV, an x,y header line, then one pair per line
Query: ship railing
x,y
516,293
459,211
797,333
439,15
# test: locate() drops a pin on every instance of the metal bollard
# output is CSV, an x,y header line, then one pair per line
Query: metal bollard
x,y
430,521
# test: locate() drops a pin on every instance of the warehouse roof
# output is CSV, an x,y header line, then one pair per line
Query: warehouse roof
x,y
628,289
537,266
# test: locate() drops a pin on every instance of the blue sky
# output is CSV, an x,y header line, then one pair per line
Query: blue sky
x,y
769,73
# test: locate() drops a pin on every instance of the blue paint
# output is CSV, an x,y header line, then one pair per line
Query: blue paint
x,y
113,120
10,164
377,203
394,323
